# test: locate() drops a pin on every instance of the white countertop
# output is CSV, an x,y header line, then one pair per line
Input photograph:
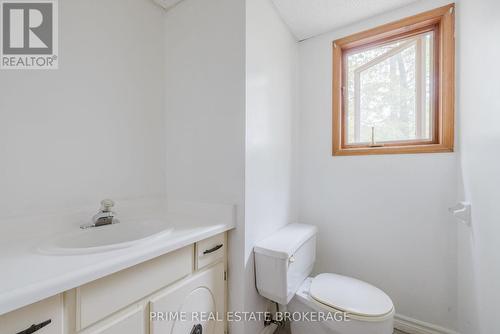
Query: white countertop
x,y
26,276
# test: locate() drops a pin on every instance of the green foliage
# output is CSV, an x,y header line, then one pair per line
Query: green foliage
x,y
388,91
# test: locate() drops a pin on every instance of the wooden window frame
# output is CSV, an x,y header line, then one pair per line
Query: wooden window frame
x,y
442,22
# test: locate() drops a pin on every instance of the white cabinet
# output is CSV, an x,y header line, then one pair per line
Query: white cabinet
x,y
197,302
34,314
189,281
98,299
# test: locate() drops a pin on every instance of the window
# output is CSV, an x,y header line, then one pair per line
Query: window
x,y
393,87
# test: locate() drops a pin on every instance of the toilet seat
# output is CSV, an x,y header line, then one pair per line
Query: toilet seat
x,y
350,295
303,303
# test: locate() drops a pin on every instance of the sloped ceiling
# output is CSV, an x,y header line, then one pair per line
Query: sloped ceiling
x,y
308,18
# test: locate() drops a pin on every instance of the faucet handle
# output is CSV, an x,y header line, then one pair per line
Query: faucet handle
x,y
107,204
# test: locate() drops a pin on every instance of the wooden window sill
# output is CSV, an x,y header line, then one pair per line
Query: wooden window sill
x,y
406,149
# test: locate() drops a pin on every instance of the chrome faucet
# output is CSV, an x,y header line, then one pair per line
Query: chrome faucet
x,y
104,217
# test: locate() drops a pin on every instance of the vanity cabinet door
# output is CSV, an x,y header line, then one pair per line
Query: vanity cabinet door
x,y
101,298
195,305
47,315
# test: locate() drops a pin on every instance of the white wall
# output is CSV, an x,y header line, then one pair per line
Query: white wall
x,y
270,173
205,113
95,127
479,116
381,218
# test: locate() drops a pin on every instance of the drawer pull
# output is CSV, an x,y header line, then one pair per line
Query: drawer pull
x,y
34,328
211,250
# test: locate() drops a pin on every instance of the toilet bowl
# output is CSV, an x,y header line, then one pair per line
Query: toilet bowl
x,y
346,321
325,304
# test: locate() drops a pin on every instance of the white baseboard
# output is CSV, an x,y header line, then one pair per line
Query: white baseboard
x,y
401,322
413,326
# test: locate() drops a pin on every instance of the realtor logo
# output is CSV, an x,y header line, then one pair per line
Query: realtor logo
x,y
29,34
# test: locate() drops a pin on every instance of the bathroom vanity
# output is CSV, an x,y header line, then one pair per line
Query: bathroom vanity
x,y
57,278
191,278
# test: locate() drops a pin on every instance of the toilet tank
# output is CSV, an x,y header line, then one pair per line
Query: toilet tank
x,y
284,260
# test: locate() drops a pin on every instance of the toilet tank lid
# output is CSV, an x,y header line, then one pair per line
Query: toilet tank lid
x,y
285,242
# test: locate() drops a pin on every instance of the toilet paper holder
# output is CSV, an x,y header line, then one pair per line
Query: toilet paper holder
x,y
462,211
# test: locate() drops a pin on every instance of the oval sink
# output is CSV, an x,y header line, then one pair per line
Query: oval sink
x,y
105,238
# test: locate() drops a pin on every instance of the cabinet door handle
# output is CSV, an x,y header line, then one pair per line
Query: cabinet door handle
x,y
211,250
197,329
34,328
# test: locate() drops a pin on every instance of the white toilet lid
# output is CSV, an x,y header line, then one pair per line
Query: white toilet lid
x,y
350,295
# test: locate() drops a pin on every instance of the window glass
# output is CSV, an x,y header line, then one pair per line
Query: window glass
x,y
389,92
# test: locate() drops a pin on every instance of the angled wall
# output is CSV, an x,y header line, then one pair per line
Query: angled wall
x,y
271,110
205,115
94,128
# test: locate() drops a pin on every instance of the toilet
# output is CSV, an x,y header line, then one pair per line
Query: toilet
x,y
325,304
